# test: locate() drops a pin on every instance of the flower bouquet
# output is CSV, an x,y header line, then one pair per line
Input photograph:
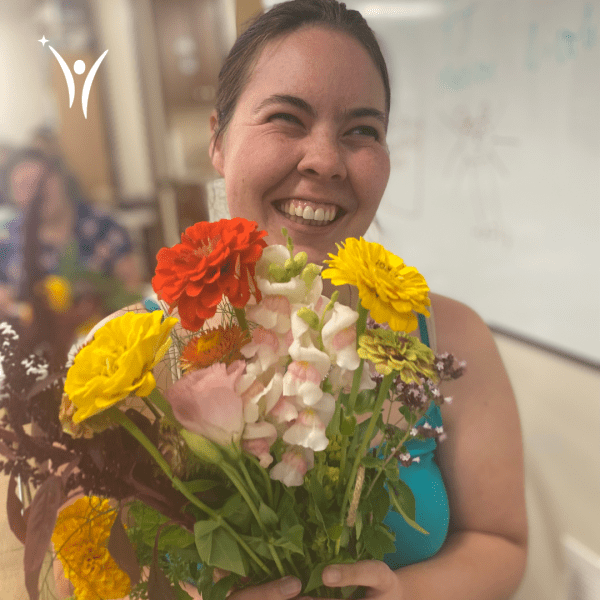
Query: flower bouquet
x,y
242,428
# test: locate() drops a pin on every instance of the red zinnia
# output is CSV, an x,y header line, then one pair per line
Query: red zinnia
x,y
213,260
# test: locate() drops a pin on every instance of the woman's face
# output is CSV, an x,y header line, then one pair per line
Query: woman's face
x,y
308,137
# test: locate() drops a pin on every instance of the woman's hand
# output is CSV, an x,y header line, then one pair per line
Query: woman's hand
x,y
381,582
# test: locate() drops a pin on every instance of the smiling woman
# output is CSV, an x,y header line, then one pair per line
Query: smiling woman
x,y
299,135
305,148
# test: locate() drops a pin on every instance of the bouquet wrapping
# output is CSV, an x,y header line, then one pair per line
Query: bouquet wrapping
x,y
241,428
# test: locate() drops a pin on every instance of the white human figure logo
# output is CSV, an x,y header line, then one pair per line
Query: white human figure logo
x,y
79,68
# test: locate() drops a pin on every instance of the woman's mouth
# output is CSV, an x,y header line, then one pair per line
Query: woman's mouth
x,y
309,213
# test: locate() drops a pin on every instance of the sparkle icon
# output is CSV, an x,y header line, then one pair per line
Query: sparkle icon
x,y
43,40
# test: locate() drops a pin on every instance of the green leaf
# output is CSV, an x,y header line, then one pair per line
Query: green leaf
x,y
364,402
379,501
200,485
237,512
291,539
371,462
335,531
268,516
404,497
392,472
358,524
315,580
218,548
202,528
348,425
181,593
219,590
334,424
399,509
377,542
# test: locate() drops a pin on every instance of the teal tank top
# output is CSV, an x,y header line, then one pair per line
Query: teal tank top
x,y
425,480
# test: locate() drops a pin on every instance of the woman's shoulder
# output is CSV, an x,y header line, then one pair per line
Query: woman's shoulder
x,y
459,329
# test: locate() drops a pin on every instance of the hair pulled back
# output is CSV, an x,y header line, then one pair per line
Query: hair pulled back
x,y
282,19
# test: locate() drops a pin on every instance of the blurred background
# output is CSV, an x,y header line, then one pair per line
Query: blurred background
x,y
494,195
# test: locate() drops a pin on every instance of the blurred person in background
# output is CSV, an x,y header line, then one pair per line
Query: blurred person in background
x,y
63,263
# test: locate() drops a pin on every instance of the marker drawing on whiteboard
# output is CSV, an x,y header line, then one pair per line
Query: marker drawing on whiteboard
x,y
562,44
477,168
407,155
79,68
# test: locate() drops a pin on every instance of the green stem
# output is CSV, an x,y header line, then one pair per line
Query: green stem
x,y
383,392
265,475
249,479
361,325
277,561
290,560
240,315
151,407
119,417
234,478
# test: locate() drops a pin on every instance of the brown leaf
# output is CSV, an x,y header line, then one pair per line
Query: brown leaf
x,y
14,511
122,550
159,587
8,452
40,386
40,524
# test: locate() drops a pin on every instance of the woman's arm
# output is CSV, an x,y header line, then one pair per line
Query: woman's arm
x,y
481,461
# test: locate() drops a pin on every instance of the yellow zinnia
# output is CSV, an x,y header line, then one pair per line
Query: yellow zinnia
x,y
390,290
80,537
118,362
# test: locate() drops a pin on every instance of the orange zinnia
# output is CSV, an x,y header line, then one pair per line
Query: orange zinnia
x,y
213,260
214,345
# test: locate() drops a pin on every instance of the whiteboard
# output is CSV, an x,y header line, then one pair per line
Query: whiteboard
x,y
495,148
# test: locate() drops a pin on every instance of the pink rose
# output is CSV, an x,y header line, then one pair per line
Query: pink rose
x,y
205,402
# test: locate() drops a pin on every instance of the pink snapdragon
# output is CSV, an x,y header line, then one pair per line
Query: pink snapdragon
x,y
272,313
295,463
266,348
339,336
303,379
308,430
258,439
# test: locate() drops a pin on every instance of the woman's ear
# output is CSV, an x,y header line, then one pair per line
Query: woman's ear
x,y
216,144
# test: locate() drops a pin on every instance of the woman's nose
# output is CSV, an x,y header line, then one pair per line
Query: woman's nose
x,y
322,157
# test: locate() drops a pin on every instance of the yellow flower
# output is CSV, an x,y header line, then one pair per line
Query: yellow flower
x,y
118,362
405,354
58,293
389,289
80,537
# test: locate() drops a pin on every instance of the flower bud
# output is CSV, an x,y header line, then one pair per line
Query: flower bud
x,y
309,316
202,447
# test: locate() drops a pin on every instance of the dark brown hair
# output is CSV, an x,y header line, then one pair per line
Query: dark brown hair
x,y
282,19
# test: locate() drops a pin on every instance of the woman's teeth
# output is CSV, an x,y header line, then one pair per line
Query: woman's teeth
x,y
301,211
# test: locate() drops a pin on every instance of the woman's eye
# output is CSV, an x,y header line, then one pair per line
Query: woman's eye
x,y
285,117
366,130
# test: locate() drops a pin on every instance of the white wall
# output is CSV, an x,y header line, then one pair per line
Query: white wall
x,y
24,101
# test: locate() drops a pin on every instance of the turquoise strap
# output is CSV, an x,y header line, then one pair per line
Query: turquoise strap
x,y
423,329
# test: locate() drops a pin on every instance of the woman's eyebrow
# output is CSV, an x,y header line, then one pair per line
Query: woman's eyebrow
x,y
287,99
356,113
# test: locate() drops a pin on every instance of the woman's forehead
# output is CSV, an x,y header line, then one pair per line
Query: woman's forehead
x,y
315,60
